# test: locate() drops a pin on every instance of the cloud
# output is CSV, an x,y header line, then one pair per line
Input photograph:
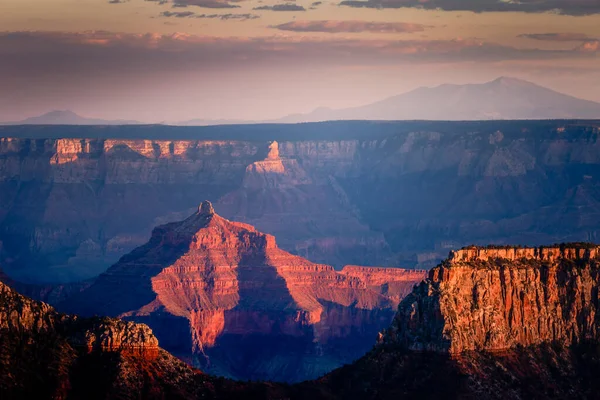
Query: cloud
x,y
350,26
281,7
223,17
567,7
226,17
558,37
177,14
98,50
175,69
205,3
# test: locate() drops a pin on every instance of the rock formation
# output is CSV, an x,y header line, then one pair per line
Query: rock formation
x,y
395,283
223,295
489,323
494,299
45,354
309,213
18,313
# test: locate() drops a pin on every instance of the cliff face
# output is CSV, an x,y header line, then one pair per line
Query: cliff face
x,y
224,296
489,323
19,313
497,299
395,194
45,354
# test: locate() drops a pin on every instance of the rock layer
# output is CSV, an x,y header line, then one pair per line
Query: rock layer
x,y
493,299
225,295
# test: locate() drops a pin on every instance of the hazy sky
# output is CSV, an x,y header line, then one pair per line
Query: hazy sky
x,y
257,59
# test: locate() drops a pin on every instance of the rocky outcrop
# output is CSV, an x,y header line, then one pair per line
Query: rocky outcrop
x,y
20,314
489,323
494,299
221,292
275,172
577,252
46,354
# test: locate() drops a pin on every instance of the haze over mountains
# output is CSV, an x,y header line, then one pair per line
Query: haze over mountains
x,y
66,117
503,98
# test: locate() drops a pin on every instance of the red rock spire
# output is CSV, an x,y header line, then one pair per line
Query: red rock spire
x,y
206,208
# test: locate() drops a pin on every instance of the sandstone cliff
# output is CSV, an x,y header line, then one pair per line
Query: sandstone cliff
x,y
493,299
489,323
224,296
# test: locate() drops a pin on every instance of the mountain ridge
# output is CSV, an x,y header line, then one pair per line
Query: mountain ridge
x,y
503,98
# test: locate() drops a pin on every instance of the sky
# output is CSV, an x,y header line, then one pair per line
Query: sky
x,y
175,60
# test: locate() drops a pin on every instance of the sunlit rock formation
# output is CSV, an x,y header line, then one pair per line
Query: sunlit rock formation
x,y
223,295
493,299
489,323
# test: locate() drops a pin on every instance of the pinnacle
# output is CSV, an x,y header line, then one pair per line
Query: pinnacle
x,y
206,208
273,151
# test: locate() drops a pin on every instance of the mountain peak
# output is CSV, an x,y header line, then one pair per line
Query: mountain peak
x,y
60,113
510,81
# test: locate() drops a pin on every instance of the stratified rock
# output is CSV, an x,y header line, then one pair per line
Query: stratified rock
x,y
493,299
225,296
489,323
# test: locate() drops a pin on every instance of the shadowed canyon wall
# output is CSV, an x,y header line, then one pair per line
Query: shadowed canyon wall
x,y
75,199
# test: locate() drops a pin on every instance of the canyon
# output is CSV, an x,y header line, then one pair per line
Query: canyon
x,y
74,199
222,296
495,322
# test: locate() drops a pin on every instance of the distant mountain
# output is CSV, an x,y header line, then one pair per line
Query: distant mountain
x,y
503,98
66,117
211,122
